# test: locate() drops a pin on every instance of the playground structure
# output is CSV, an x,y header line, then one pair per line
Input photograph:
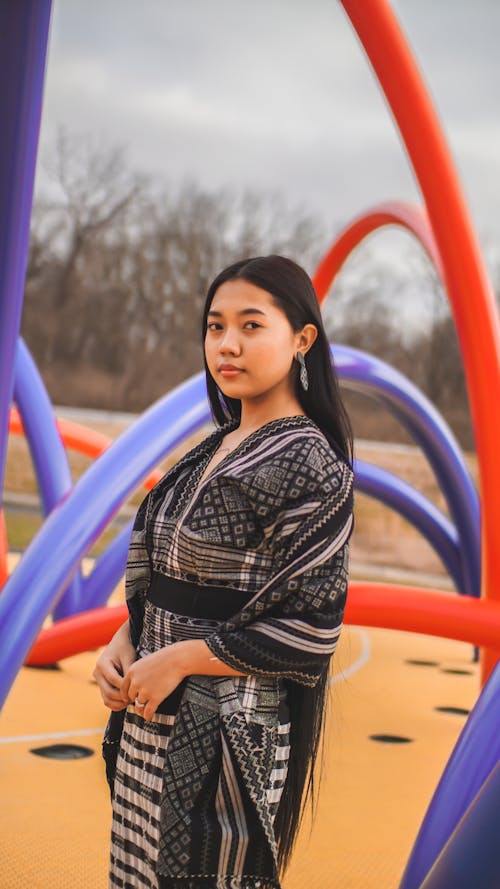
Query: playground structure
x,y
461,815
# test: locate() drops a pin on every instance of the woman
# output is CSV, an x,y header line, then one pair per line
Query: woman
x,y
236,584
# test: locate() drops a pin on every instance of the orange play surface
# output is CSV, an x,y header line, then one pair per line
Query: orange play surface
x,y
55,815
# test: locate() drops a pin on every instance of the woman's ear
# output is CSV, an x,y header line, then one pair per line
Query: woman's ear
x,y
306,337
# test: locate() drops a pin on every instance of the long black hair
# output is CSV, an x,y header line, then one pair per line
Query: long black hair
x,y
293,292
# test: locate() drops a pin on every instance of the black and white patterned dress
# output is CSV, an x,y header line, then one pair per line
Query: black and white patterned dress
x,y
140,766
197,788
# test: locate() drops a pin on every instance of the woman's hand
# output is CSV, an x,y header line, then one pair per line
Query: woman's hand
x,y
152,678
112,666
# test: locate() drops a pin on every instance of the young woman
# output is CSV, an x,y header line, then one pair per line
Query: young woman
x,y
236,585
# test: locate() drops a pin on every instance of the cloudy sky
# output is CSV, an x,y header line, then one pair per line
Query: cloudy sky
x,y
275,94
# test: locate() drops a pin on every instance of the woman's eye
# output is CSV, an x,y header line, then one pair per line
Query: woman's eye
x,y
249,325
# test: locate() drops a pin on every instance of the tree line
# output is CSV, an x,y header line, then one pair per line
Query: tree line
x,y
119,267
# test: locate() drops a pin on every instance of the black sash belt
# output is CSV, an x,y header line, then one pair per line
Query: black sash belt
x,y
193,600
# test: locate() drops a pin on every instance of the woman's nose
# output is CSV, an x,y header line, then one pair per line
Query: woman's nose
x,y
229,342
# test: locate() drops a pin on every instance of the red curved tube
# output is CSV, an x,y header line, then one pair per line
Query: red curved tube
x,y
431,612
72,635
82,439
413,219
78,438
470,291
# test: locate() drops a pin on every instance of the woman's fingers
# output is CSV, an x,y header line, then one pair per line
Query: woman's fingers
x,y
108,680
123,661
125,687
111,698
111,672
150,709
111,690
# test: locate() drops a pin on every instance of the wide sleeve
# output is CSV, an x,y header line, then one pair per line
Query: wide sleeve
x,y
137,571
292,627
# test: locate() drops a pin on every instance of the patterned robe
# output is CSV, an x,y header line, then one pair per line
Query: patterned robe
x,y
273,519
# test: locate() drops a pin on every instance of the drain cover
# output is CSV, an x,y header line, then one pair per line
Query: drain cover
x,y
391,739
63,751
458,711
456,671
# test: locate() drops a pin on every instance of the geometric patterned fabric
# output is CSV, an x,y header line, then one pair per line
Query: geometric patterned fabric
x,y
273,519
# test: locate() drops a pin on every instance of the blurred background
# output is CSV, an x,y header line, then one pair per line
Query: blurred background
x,y
178,136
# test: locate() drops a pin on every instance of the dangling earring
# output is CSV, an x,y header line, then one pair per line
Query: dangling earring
x,y
303,371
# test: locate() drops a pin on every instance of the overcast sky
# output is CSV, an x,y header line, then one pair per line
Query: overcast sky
x,y
275,94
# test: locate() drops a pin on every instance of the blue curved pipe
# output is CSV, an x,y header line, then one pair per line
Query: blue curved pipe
x,y
371,480
470,857
107,571
78,520
24,26
428,429
476,754
52,470
417,509
48,453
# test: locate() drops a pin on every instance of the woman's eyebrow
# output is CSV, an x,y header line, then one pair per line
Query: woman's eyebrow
x,y
242,312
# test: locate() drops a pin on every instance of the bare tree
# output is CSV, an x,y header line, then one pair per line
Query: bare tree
x,y
119,271
119,267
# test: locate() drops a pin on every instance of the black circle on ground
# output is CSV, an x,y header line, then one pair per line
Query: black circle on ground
x,y
391,739
458,711
419,663
456,671
63,751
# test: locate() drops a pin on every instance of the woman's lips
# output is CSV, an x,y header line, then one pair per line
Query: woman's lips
x,y
230,371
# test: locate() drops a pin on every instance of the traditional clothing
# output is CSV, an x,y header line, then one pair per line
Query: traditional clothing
x,y
265,535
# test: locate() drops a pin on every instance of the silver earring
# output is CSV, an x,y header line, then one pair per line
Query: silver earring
x,y
303,371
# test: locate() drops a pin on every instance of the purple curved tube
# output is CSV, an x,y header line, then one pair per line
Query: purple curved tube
x,y
424,515
76,522
417,509
24,27
81,514
428,429
470,857
371,480
476,754
107,571
47,451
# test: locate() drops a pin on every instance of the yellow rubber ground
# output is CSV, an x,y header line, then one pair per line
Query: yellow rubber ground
x,y
55,814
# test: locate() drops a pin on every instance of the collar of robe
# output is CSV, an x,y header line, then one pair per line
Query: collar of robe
x,y
211,735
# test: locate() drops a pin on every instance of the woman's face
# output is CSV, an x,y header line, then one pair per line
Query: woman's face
x,y
249,342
